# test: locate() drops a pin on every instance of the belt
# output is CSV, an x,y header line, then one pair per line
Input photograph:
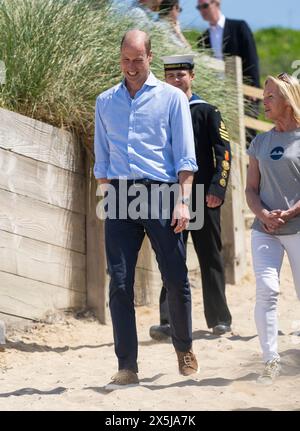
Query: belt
x,y
143,181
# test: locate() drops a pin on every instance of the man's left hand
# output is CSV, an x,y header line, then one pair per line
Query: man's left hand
x,y
213,201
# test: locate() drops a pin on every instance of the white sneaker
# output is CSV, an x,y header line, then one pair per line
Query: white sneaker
x,y
271,371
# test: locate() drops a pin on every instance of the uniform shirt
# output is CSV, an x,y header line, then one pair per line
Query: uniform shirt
x,y
278,156
148,136
212,147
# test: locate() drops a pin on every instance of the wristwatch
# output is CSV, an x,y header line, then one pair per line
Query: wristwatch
x,y
185,201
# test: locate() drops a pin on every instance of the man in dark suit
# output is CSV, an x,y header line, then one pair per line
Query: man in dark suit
x,y
231,37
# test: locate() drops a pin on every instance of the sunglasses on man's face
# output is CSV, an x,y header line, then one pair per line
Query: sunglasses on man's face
x,y
203,6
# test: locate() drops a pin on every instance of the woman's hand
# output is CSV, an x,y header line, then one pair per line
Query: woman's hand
x,y
272,220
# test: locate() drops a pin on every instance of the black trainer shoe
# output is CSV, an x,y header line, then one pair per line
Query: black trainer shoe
x,y
221,329
160,332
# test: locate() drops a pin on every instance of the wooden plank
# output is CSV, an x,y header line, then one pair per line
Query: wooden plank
x,y
41,181
192,258
238,133
97,278
148,283
40,141
262,126
147,286
233,226
2,333
32,299
232,215
42,262
37,220
212,63
250,91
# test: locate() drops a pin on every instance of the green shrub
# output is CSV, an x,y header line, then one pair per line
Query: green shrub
x,y
277,48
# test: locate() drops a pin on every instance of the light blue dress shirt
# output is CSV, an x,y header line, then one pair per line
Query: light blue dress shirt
x,y
148,136
216,37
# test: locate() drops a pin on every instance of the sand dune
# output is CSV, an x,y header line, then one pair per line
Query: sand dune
x,y
66,365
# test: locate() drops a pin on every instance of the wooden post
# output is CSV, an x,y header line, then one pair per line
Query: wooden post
x,y
97,279
233,211
148,282
2,334
233,68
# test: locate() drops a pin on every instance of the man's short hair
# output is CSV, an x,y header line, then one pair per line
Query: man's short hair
x,y
147,41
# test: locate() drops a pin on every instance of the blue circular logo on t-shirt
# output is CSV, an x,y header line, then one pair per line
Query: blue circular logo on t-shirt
x,y
277,153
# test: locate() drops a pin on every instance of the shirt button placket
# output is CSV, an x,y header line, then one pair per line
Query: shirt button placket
x,y
130,132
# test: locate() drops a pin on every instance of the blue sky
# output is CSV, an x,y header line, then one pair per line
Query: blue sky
x,y
258,13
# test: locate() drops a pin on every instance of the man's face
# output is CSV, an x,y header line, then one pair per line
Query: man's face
x,y
208,9
180,78
135,63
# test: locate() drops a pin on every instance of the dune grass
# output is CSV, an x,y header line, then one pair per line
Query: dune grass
x,y
60,54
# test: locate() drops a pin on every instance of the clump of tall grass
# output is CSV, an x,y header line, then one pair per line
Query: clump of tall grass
x,y
60,54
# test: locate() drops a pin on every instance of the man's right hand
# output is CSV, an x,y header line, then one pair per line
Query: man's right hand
x,y
181,217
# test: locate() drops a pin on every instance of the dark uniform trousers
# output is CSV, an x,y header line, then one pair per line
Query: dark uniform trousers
x,y
208,246
123,240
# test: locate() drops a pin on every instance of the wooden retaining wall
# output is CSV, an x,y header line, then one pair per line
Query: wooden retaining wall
x,y
42,219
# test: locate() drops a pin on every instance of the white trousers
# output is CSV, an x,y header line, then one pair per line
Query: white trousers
x,y
267,254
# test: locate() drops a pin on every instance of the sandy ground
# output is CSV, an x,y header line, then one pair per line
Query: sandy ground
x,y
66,365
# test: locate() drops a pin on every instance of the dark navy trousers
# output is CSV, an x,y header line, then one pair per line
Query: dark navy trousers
x,y
123,240
208,246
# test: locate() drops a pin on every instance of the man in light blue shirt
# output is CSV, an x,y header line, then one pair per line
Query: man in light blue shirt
x,y
144,135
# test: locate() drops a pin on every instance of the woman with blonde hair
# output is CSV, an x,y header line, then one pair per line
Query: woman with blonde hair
x,y
273,194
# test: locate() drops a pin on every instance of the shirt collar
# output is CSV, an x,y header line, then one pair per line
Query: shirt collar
x,y
151,81
194,97
220,23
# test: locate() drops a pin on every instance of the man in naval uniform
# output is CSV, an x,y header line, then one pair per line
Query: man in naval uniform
x,y
213,157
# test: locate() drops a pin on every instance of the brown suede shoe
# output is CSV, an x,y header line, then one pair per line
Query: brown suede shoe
x,y
187,363
123,378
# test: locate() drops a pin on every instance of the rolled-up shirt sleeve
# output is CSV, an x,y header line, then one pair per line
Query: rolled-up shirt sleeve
x,y
101,147
182,134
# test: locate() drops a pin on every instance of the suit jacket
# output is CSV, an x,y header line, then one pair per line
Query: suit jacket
x,y
238,40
